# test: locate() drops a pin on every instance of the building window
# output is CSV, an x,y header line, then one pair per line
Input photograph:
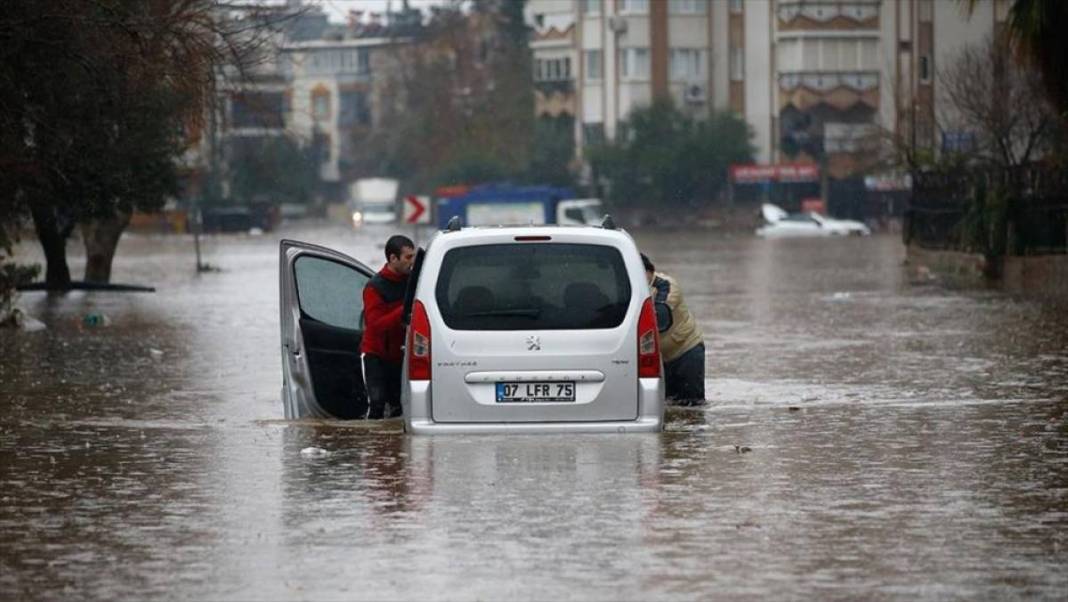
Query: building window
x,y
688,7
686,64
594,67
634,63
354,108
869,55
736,6
634,7
737,59
320,145
258,110
320,100
591,7
593,133
926,11
550,70
925,69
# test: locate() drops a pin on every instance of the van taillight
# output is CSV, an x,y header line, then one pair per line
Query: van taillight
x,y
419,344
648,342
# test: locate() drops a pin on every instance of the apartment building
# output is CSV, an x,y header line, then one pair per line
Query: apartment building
x,y
333,95
556,57
837,72
319,84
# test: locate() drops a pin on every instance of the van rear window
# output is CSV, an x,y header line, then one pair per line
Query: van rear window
x,y
537,286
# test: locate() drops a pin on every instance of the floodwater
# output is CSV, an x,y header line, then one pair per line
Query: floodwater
x,y
868,437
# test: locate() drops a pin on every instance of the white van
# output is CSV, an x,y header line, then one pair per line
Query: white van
x,y
531,329
374,201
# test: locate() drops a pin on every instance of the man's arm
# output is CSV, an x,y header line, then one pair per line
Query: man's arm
x,y
375,314
661,290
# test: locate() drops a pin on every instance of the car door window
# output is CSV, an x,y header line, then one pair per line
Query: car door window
x,y
575,214
329,292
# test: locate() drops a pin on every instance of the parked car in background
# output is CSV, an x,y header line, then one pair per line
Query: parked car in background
x,y
781,224
239,218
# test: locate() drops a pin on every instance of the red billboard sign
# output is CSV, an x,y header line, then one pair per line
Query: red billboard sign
x,y
783,172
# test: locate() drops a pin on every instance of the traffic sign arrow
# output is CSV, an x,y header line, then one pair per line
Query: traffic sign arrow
x,y
415,209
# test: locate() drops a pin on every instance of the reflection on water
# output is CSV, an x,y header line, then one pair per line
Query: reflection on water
x,y
866,437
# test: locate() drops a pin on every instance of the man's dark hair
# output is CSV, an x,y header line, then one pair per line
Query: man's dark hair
x,y
649,267
396,245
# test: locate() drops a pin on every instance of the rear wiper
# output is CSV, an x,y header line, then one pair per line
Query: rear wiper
x,y
521,312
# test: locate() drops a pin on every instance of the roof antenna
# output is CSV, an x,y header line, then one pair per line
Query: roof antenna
x,y
608,223
454,224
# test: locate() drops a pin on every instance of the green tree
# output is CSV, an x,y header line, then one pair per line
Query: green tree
x,y
462,98
277,169
662,156
552,151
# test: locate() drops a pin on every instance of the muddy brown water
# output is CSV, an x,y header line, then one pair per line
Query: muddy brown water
x,y
868,437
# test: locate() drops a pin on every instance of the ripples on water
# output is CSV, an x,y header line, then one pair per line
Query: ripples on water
x,y
867,437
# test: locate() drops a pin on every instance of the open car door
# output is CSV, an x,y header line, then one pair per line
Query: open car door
x,y
321,303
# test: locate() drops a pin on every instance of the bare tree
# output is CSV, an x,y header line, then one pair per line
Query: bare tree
x,y
96,103
999,101
461,99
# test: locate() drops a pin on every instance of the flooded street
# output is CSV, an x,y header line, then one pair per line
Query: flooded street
x,y
868,436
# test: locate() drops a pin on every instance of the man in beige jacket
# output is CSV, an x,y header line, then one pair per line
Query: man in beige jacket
x,y
682,345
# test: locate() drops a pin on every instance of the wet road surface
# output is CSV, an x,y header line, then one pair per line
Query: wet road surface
x,y
868,436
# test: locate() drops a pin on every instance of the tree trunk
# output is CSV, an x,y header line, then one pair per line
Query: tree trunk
x,y
101,236
53,238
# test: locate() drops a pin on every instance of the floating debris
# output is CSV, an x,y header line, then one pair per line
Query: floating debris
x,y
94,319
314,452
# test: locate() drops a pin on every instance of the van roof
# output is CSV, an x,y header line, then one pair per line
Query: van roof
x,y
476,232
444,240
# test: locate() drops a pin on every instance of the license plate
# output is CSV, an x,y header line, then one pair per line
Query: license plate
x,y
535,392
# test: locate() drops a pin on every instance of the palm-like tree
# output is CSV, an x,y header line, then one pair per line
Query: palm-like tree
x,y
1038,27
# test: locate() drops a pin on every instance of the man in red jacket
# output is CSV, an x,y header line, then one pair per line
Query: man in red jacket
x,y
383,334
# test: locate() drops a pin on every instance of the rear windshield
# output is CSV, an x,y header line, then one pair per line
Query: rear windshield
x,y
535,286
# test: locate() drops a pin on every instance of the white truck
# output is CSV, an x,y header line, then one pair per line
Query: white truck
x,y
373,201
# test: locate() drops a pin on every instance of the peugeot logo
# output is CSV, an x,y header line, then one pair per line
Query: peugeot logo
x,y
533,343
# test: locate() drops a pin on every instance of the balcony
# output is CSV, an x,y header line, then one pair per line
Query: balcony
x,y
842,15
841,90
555,86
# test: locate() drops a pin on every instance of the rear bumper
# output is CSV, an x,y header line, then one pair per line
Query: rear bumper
x,y
426,427
417,421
